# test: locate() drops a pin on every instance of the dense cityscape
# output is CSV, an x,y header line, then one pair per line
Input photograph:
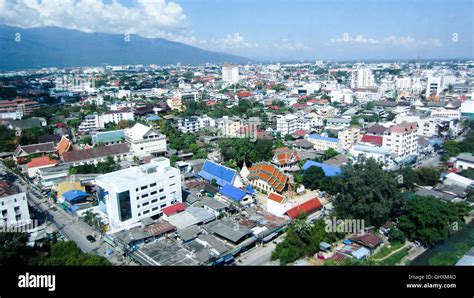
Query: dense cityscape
x,y
304,163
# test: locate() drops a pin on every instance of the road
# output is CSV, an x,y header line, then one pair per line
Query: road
x,y
432,161
260,255
71,227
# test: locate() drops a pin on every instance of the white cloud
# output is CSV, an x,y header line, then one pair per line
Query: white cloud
x,y
402,41
288,45
149,18
236,41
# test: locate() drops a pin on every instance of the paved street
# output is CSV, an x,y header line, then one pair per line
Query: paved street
x,y
260,255
431,161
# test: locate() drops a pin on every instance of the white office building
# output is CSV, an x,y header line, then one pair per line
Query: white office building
x,y
115,116
402,139
230,73
362,77
144,140
434,85
130,195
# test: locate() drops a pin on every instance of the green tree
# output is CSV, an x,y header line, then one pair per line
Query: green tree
x,y
367,192
312,177
428,176
330,153
430,220
409,176
451,148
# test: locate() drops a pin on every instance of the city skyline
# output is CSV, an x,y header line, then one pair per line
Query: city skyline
x,y
300,30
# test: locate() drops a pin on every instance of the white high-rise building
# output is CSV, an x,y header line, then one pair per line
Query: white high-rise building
x,y
402,139
287,124
130,195
403,84
434,85
230,73
362,77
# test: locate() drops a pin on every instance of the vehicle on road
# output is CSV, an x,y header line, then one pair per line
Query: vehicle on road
x,y
90,238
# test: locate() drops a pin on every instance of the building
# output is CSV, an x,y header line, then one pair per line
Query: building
x,y
23,151
277,205
91,122
39,163
344,96
380,154
433,85
268,178
108,137
144,140
464,161
221,174
467,109
230,128
130,195
13,206
96,155
446,113
348,137
322,143
454,179
21,106
403,84
230,73
117,116
338,123
287,124
286,159
362,77
194,123
328,169
307,208
402,139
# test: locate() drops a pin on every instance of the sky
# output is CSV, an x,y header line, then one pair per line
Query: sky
x,y
272,30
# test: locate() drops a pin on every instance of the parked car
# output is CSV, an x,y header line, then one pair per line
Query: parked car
x,y
90,238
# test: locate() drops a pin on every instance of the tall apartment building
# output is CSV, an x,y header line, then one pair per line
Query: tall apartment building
x,y
348,137
91,122
13,206
194,123
434,85
287,124
130,195
144,140
402,139
403,84
230,73
362,77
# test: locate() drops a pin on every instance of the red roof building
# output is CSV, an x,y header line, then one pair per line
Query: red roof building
x,y
276,197
284,158
173,209
307,207
41,162
376,140
243,94
300,106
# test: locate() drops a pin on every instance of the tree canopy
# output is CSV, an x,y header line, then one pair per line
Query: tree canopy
x,y
368,193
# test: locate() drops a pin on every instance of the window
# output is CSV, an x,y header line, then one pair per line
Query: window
x,y
154,208
154,201
136,189
153,184
173,192
146,212
145,204
144,187
172,177
144,196
125,210
162,198
18,217
161,190
163,206
173,184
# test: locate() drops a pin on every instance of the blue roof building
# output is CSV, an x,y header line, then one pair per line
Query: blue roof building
x,y
319,137
232,192
222,174
74,196
329,170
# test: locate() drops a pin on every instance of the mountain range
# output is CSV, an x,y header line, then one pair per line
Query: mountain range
x,y
58,47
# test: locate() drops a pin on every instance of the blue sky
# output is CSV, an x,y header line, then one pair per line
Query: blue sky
x,y
272,30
